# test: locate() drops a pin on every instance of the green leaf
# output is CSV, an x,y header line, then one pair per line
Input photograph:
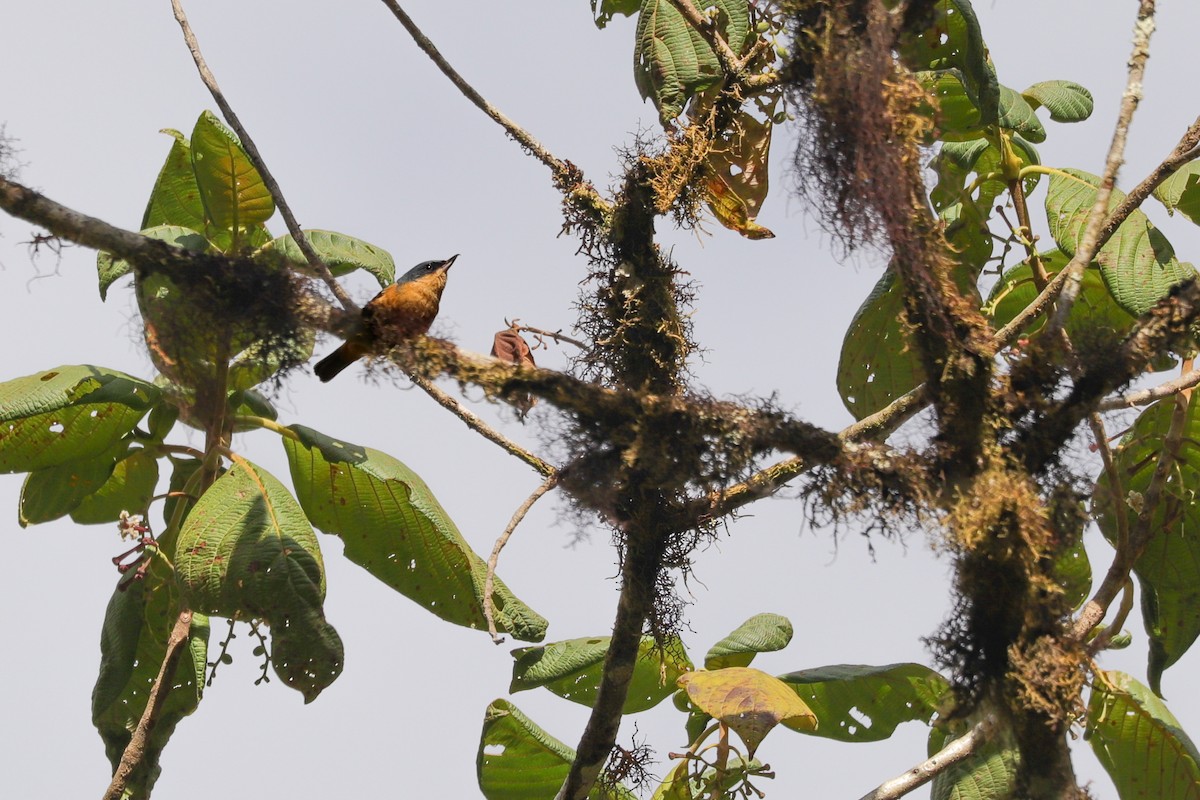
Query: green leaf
x,y
877,365
110,268
132,647
762,633
264,359
571,669
1139,742
247,550
394,527
234,195
681,782
859,703
518,760
672,62
1169,567
989,773
341,253
1181,192
1138,263
954,40
959,117
604,10
1016,114
56,491
175,199
69,413
128,488
1066,101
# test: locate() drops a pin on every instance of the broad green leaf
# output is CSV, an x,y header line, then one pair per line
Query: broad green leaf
x,y
749,701
518,760
233,193
959,117
341,253
56,491
132,646
859,703
571,669
1096,323
990,773
110,269
1169,568
129,488
604,10
1066,101
672,62
877,365
955,41
394,527
1016,114
1139,742
1138,263
175,199
247,550
762,633
1181,192
69,413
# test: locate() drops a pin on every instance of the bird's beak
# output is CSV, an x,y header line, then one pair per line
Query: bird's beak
x,y
449,262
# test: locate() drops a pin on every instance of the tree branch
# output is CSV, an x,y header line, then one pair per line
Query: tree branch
x,y
956,752
1147,396
289,219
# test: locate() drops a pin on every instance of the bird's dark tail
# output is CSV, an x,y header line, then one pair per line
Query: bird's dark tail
x,y
328,367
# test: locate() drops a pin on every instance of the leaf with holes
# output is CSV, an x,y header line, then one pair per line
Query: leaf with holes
x,y
762,633
954,40
341,253
860,703
137,623
1169,567
749,701
1139,742
394,527
247,550
739,176
68,413
1138,263
672,62
572,669
517,759
877,365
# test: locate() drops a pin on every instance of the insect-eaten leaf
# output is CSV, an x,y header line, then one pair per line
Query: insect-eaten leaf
x,y
738,182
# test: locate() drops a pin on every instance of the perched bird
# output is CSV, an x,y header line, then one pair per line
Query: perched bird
x,y
400,312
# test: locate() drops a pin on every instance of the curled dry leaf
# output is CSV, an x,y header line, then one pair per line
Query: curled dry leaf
x,y
738,183
508,345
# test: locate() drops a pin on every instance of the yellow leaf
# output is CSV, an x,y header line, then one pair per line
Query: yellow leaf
x,y
749,701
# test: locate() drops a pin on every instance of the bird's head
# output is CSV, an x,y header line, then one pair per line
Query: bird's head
x,y
429,270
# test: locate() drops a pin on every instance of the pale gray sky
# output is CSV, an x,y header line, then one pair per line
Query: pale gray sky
x,y
367,138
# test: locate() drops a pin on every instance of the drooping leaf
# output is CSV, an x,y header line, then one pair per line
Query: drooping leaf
x,y
68,413
1169,567
1139,742
128,488
739,176
394,527
1181,192
672,62
54,492
572,669
1138,263
233,193
132,646
762,633
247,550
175,198
341,253
517,759
749,701
604,10
110,268
860,703
1066,101
989,773
954,40
877,365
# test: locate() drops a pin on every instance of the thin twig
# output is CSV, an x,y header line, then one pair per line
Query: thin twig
x,y
489,581
479,426
523,137
957,751
557,336
289,219
1091,242
135,751
1145,397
